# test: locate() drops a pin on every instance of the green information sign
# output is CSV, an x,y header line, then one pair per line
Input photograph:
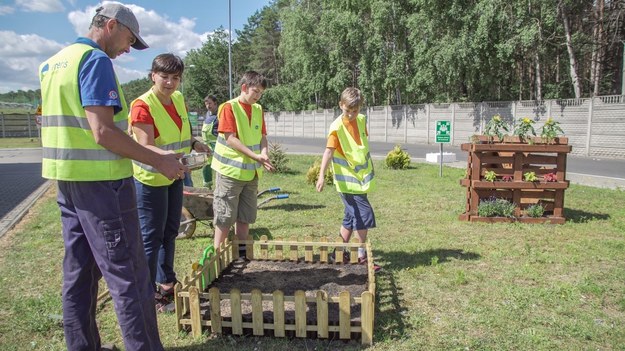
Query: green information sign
x,y
443,131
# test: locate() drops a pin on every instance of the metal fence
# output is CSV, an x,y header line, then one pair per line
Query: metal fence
x,y
19,126
595,126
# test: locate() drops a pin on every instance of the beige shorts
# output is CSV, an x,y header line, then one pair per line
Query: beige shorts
x,y
234,200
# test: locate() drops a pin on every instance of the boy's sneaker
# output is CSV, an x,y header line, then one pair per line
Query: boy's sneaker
x,y
364,260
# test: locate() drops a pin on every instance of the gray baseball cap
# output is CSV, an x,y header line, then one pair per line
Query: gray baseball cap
x,y
124,16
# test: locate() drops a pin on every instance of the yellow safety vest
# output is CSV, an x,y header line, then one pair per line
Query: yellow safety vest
x,y
353,171
207,131
169,138
230,162
70,151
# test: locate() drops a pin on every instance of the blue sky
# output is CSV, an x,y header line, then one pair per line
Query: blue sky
x,y
33,30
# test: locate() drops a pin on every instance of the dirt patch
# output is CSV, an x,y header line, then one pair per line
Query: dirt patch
x,y
268,276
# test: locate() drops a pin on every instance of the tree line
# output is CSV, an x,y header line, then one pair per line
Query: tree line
x,y
414,51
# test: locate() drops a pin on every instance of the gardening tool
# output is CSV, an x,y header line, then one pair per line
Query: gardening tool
x,y
275,197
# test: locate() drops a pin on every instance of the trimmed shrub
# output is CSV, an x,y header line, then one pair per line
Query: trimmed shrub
x,y
397,158
313,174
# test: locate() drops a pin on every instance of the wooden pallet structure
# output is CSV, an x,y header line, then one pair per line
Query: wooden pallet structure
x,y
190,293
512,160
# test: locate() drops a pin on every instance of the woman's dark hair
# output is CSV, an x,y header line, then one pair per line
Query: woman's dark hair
x,y
167,63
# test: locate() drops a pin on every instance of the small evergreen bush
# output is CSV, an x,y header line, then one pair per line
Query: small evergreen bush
x,y
397,158
278,158
313,174
493,207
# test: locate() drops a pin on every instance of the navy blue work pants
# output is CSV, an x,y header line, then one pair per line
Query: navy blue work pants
x,y
102,239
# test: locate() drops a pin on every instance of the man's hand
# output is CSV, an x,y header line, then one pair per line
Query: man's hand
x,y
169,165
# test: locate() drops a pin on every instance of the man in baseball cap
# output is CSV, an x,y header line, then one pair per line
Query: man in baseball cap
x,y
124,16
89,154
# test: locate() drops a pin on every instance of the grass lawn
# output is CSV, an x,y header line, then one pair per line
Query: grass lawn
x,y
446,284
18,143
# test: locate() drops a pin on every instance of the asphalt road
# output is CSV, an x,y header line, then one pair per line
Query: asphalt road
x,y
604,173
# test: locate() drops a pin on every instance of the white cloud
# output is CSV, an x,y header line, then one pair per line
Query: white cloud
x,y
47,6
6,10
21,55
160,32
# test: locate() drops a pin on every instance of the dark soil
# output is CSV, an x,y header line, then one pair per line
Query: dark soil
x,y
268,276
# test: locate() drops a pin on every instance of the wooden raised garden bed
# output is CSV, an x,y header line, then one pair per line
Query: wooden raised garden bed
x,y
510,161
248,304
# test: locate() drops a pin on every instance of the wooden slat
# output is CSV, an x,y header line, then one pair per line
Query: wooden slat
x,y
235,311
178,305
344,315
278,254
263,247
278,314
257,312
322,314
215,307
185,302
293,252
323,251
353,254
194,305
338,251
367,311
308,250
300,314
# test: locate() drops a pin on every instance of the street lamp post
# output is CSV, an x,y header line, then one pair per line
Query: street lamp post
x,y
623,72
230,47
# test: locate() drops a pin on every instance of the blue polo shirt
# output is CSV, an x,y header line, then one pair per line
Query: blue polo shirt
x,y
96,78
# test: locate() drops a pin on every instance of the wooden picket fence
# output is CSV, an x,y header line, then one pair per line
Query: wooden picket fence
x,y
191,292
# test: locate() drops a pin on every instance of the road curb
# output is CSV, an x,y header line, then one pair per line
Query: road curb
x,y
12,218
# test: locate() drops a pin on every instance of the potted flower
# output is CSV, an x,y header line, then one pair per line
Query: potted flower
x,y
550,130
524,128
495,127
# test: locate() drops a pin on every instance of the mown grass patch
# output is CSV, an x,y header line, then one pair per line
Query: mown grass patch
x,y
446,284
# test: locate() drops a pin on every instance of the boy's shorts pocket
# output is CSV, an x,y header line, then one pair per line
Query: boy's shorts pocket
x,y
115,239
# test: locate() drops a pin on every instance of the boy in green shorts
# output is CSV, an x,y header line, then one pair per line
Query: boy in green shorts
x,y
348,149
238,160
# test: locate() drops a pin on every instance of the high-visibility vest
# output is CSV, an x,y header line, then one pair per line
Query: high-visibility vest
x,y
231,162
353,170
70,151
207,130
170,137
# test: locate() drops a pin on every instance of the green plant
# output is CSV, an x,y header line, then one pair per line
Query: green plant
x,y
397,158
494,207
524,128
278,158
495,127
490,176
313,173
550,130
535,210
530,176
